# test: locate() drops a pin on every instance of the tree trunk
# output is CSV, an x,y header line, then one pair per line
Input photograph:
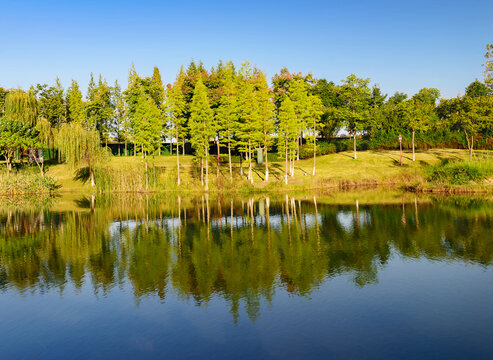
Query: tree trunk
x,y
217,162
298,146
414,156
229,160
183,146
250,161
471,148
135,149
286,154
202,171
177,160
266,164
91,173
241,164
354,145
206,188
126,153
171,146
314,150
118,148
145,165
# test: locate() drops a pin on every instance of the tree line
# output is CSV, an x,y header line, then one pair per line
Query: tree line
x,y
234,109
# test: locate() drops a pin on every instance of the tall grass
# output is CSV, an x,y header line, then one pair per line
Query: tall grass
x,y
460,172
18,183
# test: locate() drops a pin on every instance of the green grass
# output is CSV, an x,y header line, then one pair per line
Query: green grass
x,y
372,167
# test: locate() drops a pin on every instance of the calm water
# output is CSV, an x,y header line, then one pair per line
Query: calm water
x,y
283,278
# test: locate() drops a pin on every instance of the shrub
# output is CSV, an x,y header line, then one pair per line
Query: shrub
x,y
460,172
26,184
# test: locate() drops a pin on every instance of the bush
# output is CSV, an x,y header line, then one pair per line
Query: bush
x,y
26,184
460,172
323,148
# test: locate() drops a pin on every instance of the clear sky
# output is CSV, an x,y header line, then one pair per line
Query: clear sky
x,y
400,45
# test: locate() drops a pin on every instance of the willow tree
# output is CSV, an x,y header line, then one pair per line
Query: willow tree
x,y
79,147
201,128
21,106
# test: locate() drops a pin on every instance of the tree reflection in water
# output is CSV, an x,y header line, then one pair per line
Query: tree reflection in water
x,y
242,250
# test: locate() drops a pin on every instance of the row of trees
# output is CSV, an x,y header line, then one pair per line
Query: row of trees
x,y
234,109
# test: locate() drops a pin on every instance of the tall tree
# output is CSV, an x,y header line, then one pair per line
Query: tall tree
x,y
488,66
75,105
15,135
265,117
201,127
476,89
356,95
120,114
287,133
147,129
21,106
176,105
315,111
227,112
416,116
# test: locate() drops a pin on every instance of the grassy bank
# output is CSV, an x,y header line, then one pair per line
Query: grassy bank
x,y
339,170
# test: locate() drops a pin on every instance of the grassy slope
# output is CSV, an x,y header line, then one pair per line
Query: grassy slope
x,y
371,166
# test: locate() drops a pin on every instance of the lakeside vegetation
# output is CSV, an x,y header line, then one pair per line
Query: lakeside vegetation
x,y
227,129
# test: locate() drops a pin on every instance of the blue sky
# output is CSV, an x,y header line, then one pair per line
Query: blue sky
x,y
402,46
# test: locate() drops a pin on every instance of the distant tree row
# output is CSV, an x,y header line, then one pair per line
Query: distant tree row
x,y
236,109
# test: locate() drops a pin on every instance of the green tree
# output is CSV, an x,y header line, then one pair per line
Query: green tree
x,y
176,105
79,146
265,117
227,112
75,104
488,66
16,135
355,94
287,133
120,115
21,106
51,103
100,109
147,127
201,128
416,116
315,111
476,89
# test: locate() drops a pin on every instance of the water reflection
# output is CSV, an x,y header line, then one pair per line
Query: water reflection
x,y
242,250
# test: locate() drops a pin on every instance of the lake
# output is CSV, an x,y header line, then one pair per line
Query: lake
x,y
280,277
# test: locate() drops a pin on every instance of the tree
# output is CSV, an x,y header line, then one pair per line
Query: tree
x,y
99,107
416,116
355,94
248,131
75,105
469,115
397,98
330,96
298,95
175,104
287,132
315,110
265,118
227,112
15,135
79,146
488,66
51,103
21,106
476,89
147,128
427,96
118,124
3,94
201,128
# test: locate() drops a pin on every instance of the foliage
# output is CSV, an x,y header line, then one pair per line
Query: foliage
x,y
14,135
21,106
26,184
460,172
